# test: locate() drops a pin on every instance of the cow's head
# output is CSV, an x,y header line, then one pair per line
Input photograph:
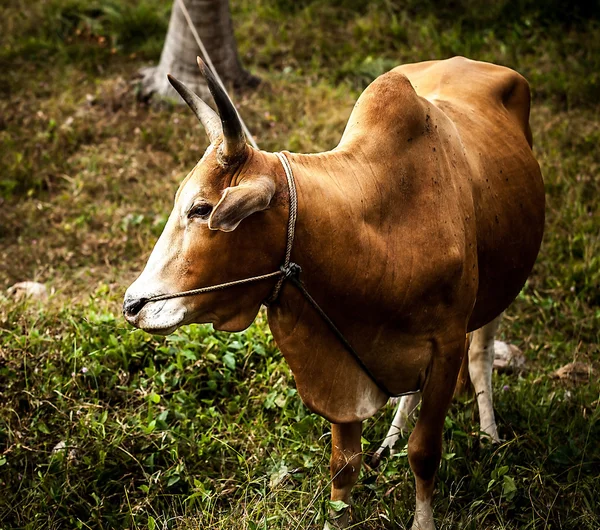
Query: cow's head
x,y
224,227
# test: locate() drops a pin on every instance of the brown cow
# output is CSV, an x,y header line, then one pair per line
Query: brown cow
x,y
420,226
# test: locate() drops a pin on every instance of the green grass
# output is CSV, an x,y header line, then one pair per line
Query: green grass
x,y
205,429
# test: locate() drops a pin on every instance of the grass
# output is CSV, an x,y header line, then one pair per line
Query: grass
x,y
102,426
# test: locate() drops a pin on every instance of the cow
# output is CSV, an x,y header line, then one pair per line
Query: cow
x,y
421,226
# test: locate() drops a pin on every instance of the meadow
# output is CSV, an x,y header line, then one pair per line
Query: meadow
x,y
103,426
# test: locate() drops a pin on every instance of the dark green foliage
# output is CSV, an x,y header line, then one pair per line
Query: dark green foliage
x,y
77,30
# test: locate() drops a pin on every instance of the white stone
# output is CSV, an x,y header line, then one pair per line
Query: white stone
x,y
507,357
34,290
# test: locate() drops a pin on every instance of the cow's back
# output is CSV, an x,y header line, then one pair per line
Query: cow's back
x,y
468,84
468,121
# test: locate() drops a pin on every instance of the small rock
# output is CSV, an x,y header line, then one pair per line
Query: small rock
x,y
67,123
278,477
34,290
508,358
61,447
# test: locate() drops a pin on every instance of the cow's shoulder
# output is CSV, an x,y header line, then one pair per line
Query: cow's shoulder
x,y
388,107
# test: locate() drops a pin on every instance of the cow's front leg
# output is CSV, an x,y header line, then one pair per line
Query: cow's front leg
x,y
425,442
344,466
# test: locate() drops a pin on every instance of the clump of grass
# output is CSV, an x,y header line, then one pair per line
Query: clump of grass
x,y
109,427
85,32
553,45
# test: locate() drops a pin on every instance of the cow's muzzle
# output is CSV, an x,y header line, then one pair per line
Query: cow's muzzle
x,y
132,306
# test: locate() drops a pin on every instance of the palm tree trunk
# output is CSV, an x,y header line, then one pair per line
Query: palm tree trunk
x,y
212,20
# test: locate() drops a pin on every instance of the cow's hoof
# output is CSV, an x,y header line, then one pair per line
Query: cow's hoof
x,y
490,437
423,516
423,524
337,520
376,460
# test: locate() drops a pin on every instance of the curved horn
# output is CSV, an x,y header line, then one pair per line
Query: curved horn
x,y
234,140
207,116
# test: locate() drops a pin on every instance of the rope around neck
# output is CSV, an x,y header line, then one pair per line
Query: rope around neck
x,y
285,268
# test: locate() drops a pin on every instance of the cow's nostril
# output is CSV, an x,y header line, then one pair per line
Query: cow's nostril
x,y
132,306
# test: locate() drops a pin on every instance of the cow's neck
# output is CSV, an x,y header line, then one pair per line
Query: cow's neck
x,y
328,379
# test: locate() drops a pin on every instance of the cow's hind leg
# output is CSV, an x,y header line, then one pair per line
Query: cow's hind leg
x,y
345,464
481,364
406,407
425,442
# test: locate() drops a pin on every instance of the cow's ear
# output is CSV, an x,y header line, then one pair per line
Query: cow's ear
x,y
238,202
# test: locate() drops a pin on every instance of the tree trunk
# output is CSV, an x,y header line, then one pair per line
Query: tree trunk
x,y
212,20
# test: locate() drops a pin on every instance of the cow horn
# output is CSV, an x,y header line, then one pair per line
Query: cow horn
x,y
207,116
234,140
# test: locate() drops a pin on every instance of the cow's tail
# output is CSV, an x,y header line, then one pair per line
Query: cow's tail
x,y
463,383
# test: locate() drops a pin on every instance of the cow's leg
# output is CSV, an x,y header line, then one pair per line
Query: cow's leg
x,y
425,442
405,409
344,466
481,364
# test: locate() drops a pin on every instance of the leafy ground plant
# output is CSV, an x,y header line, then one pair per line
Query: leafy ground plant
x,y
102,426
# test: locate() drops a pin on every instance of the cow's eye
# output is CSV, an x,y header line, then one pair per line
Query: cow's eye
x,y
200,210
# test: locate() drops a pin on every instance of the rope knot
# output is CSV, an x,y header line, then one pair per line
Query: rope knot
x,y
291,270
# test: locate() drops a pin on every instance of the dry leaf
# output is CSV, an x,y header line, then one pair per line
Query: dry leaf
x,y
576,372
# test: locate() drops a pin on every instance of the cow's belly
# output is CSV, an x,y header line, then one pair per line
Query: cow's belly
x,y
509,208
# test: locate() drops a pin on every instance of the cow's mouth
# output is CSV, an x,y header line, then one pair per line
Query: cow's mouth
x,y
159,318
160,331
